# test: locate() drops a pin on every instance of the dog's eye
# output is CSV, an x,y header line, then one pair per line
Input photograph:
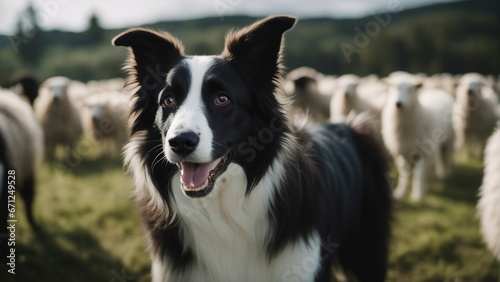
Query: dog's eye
x,y
169,101
222,100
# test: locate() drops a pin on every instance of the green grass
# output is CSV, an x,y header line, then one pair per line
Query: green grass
x,y
439,239
91,231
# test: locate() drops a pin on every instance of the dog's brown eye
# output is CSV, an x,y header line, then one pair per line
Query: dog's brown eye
x,y
169,101
222,100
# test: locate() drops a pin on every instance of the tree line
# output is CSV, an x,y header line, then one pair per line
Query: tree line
x,y
455,37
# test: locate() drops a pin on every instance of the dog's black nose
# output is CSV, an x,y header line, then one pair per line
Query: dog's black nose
x,y
184,143
399,104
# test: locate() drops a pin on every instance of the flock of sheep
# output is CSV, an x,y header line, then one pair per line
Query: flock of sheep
x,y
37,119
422,120
68,109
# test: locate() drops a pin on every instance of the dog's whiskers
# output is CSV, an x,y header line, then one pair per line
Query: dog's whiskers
x,y
156,160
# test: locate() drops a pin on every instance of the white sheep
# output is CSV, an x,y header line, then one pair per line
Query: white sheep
x,y
345,99
355,95
374,92
444,81
417,130
105,120
327,84
98,86
56,112
77,91
21,149
489,196
474,112
302,85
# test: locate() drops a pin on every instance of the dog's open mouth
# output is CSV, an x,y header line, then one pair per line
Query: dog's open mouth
x,y
198,179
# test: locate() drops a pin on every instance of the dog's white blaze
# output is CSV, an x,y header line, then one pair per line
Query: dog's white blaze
x,y
227,232
191,116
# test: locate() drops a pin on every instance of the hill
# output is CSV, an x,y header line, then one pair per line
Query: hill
x,y
453,37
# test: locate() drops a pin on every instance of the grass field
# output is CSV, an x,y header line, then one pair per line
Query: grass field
x,y
91,231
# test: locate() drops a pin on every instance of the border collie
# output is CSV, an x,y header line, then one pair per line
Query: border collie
x,y
228,189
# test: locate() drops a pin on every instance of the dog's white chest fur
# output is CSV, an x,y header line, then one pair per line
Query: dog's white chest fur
x,y
227,234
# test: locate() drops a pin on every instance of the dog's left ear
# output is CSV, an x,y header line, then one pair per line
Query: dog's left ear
x,y
257,48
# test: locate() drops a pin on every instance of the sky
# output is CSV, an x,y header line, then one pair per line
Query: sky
x,y
73,15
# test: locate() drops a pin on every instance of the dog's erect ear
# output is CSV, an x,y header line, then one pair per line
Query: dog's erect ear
x,y
257,47
150,48
153,54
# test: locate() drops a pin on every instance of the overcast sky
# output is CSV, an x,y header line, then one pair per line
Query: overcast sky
x,y
73,15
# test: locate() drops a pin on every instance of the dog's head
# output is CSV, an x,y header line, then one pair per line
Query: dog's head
x,y
205,107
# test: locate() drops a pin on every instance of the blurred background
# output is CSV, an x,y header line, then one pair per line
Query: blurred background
x,y
52,37
89,228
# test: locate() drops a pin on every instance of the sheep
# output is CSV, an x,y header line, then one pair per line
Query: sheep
x,y
25,86
417,130
303,87
374,92
474,112
444,81
99,86
327,84
56,112
105,119
355,95
78,91
488,206
497,84
345,99
21,150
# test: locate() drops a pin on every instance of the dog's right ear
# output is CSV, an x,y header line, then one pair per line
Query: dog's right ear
x,y
156,50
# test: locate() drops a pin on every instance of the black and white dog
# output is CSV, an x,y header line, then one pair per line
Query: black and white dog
x,y
228,189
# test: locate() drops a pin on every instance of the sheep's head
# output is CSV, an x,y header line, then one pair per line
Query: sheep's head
x,y
56,88
96,111
469,90
404,94
349,90
474,88
470,84
348,85
305,85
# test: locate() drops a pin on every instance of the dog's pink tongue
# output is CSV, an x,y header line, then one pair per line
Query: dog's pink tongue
x,y
194,176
